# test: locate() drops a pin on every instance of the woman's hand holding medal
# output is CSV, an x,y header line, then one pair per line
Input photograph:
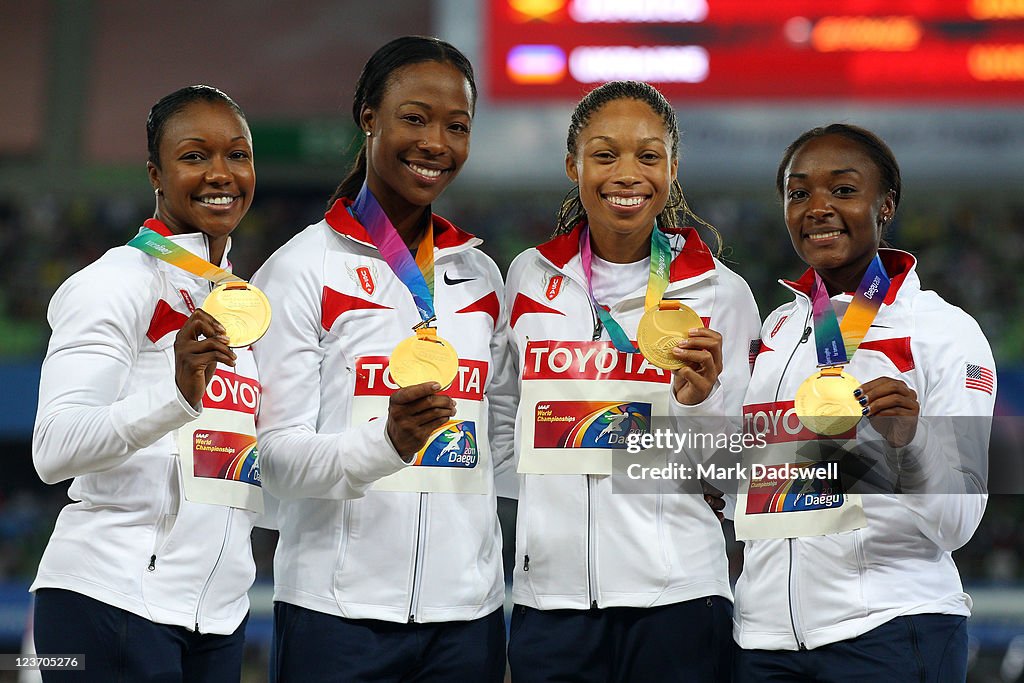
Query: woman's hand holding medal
x,y
701,353
892,408
414,412
195,358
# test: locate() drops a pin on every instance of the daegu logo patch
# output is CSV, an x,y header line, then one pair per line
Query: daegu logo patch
x,y
794,488
589,424
226,455
454,445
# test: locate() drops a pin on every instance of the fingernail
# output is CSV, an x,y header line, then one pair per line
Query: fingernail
x,y
857,392
863,400
864,411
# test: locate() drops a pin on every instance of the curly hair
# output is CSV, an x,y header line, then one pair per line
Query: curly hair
x,y
676,212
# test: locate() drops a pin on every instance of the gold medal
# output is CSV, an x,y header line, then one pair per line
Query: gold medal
x,y
825,403
242,309
661,328
424,357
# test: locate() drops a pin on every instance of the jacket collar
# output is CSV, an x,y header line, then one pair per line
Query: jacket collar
x,y
694,259
446,235
898,265
195,242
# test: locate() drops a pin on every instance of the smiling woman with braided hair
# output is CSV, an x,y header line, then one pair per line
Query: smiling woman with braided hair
x,y
620,587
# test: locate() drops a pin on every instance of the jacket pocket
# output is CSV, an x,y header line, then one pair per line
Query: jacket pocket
x,y
166,513
553,534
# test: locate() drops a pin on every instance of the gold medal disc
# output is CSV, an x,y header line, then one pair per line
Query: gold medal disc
x,y
825,403
660,329
424,357
242,309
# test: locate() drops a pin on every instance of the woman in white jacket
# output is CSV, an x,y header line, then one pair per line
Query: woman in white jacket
x,y
850,577
146,583
388,565
631,586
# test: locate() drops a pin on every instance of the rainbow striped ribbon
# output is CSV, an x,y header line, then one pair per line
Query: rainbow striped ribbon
x,y
158,246
417,275
837,343
657,283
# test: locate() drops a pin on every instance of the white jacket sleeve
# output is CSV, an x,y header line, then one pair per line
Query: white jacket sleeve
x,y
84,422
502,400
944,470
296,461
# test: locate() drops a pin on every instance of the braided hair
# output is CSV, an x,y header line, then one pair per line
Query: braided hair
x,y
676,212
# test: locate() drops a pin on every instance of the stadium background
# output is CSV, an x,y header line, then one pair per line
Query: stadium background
x,y
77,78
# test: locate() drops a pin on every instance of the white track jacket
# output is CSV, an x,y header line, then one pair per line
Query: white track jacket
x,y
346,548
802,593
108,411
578,545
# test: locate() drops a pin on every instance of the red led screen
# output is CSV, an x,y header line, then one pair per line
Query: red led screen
x,y
880,50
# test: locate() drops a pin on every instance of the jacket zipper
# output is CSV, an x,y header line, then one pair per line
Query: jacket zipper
x,y
591,576
211,285
803,339
220,554
794,617
161,537
417,562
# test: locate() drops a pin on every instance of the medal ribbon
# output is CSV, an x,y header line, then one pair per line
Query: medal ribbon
x,y
153,243
657,283
837,343
417,275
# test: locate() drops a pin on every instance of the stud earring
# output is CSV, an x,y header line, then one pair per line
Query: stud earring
x,y
367,133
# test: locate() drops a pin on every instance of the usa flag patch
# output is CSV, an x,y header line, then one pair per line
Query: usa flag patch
x,y
754,350
979,378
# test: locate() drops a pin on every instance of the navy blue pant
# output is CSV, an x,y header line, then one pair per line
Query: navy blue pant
x,y
923,648
689,642
313,647
121,647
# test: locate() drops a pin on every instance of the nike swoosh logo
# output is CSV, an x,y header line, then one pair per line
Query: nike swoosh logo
x,y
456,281
883,327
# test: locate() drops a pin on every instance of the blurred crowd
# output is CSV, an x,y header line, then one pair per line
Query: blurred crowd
x,y
968,250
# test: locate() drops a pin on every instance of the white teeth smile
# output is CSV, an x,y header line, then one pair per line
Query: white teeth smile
x,y
217,200
825,235
625,201
427,172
